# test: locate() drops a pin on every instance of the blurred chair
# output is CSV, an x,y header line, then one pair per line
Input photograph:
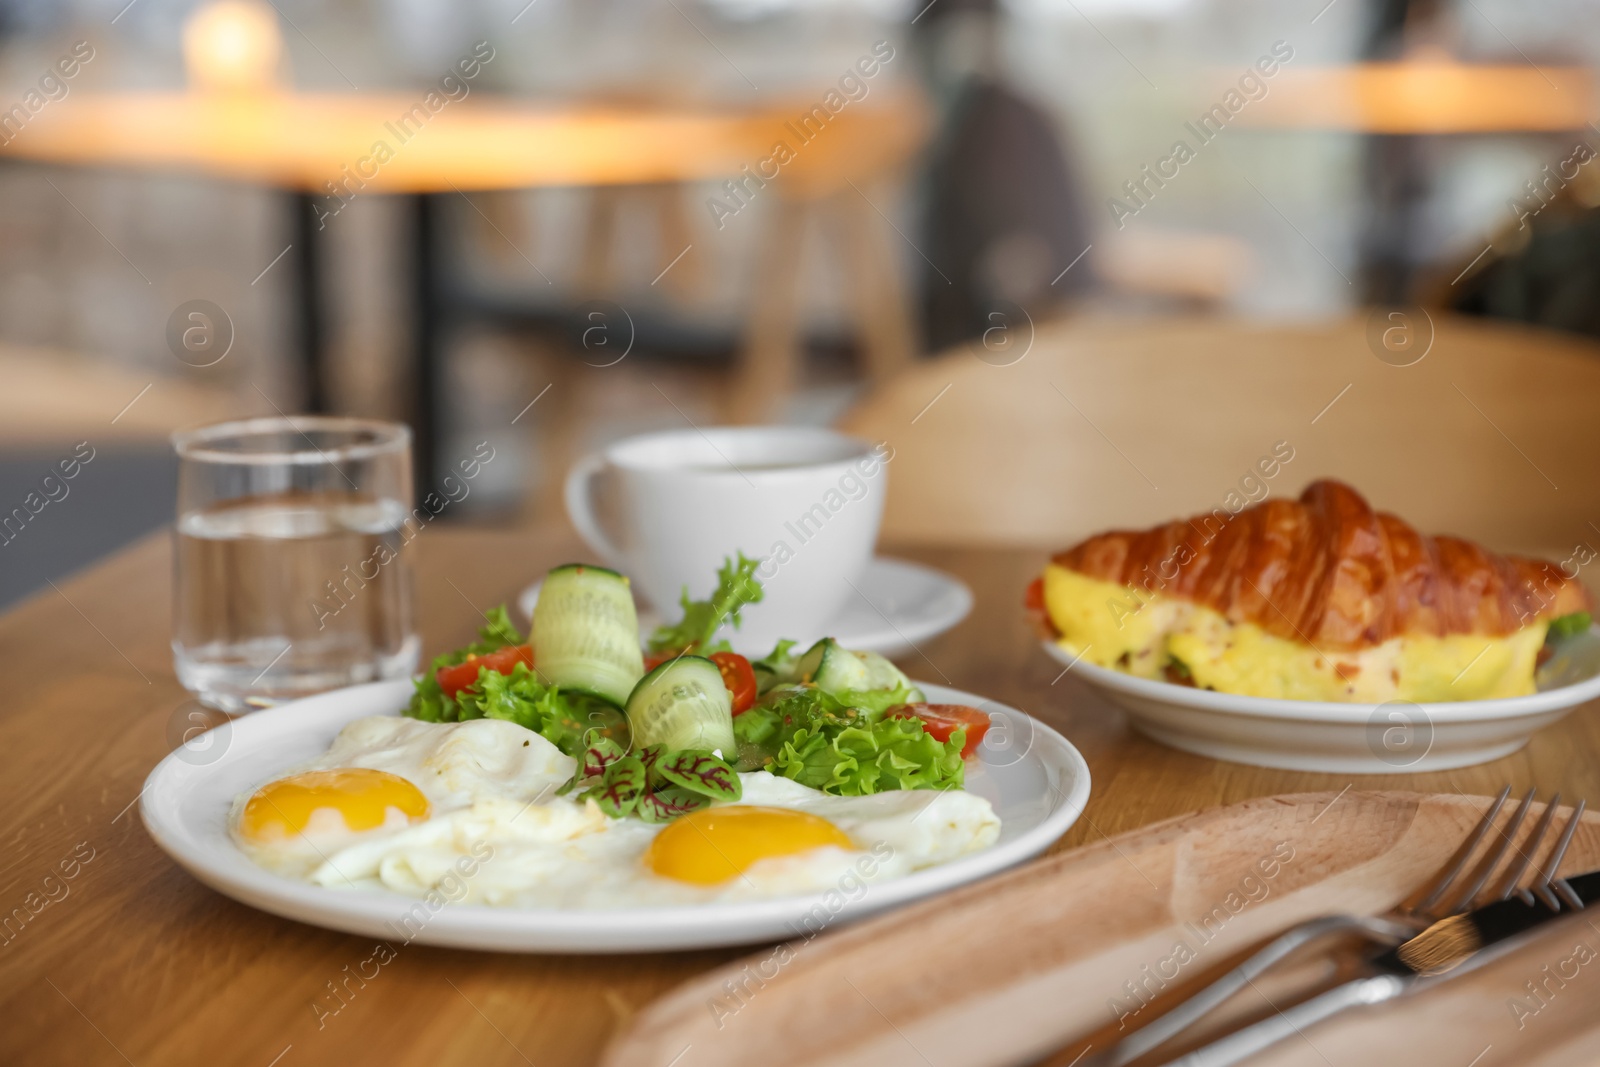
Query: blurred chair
x,y
1119,423
1544,268
1196,271
1005,220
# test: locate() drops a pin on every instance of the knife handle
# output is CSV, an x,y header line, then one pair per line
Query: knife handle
x,y
1242,1044
1182,1016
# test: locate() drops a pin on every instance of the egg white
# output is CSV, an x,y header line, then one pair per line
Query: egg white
x,y
454,764
499,836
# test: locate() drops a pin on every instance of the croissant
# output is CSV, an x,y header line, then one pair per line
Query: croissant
x,y
1316,598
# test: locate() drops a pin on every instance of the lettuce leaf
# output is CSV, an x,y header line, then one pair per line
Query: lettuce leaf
x,y
877,701
1568,626
570,721
819,741
872,758
736,586
429,703
776,667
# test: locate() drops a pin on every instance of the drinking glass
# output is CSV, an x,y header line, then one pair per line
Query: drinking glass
x,y
288,576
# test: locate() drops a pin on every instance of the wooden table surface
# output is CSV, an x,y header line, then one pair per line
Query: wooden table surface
x,y
306,140
133,961
1427,95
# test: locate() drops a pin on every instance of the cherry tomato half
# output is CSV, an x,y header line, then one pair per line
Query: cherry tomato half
x,y
454,679
942,720
739,677
654,660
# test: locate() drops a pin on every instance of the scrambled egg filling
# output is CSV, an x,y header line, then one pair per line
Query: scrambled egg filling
x,y
1152,636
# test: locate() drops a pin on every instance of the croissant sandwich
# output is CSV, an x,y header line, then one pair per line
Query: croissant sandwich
x,y
1320,598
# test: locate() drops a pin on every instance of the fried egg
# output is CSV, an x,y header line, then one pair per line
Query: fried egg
x,y
455,812
384,774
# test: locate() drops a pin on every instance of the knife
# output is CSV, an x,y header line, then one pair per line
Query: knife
x,y
1419,962
1449,941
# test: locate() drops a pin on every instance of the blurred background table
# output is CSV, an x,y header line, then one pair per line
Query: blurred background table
x,y
1428,95
309,144
139,962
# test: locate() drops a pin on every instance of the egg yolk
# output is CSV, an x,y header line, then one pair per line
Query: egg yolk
x,y
716,844
360,795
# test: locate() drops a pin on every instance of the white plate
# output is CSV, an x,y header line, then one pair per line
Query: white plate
x,y
898,605
1312,735
1036,780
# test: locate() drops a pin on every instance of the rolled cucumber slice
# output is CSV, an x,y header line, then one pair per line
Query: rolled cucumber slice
x,y
586,632
835,669
683,703
832,668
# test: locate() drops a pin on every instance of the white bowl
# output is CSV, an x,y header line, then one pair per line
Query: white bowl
x,y
1397,736
1036,780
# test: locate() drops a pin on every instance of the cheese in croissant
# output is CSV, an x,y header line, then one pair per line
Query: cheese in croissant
x,y
1320,598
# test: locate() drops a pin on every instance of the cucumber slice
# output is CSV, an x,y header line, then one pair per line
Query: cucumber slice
x,y
882,674
831,667
835,669
683,703
776,668
586,632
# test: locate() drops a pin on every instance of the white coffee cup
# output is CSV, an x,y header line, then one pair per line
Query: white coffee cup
x,y
667,508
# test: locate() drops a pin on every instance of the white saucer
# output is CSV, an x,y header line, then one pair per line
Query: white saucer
x,y
1036,781
898,606
1396,737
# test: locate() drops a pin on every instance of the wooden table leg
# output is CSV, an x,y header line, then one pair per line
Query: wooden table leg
x,y
765,371
875,282
429,396
597,270
686,279
310,327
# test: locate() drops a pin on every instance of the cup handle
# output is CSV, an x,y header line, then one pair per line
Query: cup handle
x,y
580,508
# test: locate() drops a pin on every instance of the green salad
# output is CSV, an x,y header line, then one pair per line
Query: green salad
x,y
661,727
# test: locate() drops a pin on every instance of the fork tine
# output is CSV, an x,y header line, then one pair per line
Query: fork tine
x,y
1513,877
1569,894
1552,863
1468,847
1507,837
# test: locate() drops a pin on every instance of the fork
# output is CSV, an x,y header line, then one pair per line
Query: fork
x,y
1433,901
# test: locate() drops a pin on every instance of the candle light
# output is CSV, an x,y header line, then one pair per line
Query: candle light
x,y
233,46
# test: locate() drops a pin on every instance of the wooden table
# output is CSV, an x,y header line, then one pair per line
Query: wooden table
x,y
138,963
1427,96
322,150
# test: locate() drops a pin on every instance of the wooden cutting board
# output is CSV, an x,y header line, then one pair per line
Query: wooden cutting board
x,y
1078,948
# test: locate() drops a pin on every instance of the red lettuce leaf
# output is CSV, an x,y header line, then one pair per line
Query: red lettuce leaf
x,y
702,773
600,753
669,804
620,787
